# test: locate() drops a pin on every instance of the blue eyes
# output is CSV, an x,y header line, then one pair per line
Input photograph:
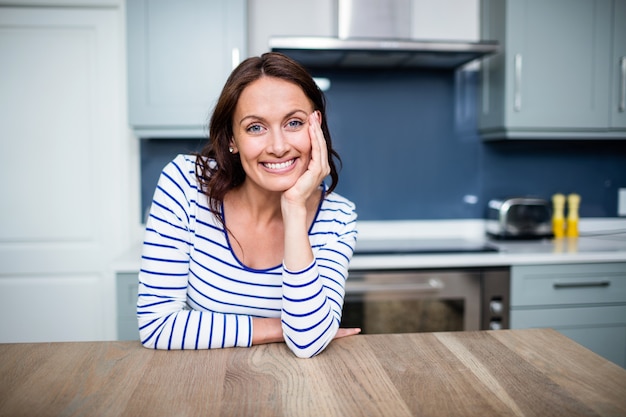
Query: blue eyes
x,y
256,128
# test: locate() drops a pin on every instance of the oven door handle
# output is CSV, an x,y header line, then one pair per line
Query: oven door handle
x,y
432,285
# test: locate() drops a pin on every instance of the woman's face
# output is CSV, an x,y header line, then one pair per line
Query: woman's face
x,y
270,133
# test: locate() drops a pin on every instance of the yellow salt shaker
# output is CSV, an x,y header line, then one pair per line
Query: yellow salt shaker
x,y
558,219
573,203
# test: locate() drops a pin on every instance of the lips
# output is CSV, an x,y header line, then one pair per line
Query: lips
x,y
279,165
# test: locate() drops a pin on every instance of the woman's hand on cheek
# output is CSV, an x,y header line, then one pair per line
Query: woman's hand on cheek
x,y
318,167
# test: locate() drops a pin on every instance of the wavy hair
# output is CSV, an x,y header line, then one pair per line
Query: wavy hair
x,y
217,178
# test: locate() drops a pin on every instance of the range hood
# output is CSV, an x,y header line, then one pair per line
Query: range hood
x,y
376,34
320,52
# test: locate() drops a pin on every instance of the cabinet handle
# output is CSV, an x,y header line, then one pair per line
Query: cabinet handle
x,y
517,90
583,284
235,57
622,87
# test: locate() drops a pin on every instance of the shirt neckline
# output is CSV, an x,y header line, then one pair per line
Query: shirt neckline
x,y
246,267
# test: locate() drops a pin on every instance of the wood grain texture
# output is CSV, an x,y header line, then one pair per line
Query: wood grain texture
x,y
505,373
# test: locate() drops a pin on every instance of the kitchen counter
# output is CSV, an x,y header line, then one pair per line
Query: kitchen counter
x,y
577,250
535,372
601,240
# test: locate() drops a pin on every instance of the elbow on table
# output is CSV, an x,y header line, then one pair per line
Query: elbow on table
x,y
304,348
149,333
305,353
147,341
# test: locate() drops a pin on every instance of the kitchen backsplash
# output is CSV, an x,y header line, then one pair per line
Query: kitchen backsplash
x,y
410,150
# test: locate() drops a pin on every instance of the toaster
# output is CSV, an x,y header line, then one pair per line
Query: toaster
x,y
519,218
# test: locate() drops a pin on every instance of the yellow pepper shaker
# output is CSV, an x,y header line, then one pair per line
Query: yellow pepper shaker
x,y
558,219
573,203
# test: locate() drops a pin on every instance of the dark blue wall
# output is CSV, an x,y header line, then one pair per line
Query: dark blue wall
x,y
410,150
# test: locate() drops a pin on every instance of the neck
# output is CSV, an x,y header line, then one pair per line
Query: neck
x,y
261,205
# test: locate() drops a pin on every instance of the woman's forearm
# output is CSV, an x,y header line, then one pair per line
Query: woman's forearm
x,y
298,254
266,330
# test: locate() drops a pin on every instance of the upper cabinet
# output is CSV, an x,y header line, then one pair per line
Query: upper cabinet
x,y
269,18
618,67
179,57
560,74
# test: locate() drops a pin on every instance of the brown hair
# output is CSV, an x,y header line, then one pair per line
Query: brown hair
x,y
217,178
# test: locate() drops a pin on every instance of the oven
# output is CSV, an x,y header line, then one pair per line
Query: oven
x,y
405,301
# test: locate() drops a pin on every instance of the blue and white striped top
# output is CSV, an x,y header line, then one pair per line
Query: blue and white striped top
x,y
195,294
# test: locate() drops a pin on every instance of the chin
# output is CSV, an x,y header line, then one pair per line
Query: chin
x,y
280,188
279,185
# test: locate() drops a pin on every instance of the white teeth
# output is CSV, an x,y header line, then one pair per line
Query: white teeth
x,y
280,165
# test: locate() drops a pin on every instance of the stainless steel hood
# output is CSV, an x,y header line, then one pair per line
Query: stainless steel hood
x,y
376,34
328,53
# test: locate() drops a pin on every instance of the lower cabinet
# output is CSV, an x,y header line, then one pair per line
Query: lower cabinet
x,y
585,302
127,285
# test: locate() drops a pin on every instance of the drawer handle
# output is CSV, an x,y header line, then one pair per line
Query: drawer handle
x,y
558,285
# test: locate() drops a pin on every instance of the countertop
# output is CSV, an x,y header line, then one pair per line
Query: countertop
x,y
548,251
536,372
601,240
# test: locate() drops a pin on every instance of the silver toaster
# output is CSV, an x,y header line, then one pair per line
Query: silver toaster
x,y
519,218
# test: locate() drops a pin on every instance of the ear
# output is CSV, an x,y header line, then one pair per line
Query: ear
x,y
319,116
231,145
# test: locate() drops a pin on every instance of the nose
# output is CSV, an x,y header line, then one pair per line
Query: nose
x,y
278,145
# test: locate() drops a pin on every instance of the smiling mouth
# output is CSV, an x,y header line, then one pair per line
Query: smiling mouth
x,y
279,165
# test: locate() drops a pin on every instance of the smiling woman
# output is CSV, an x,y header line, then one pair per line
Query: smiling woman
x,y
270,132
244,242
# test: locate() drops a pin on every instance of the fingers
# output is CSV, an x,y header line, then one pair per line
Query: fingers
x,y
318,167
343,332
319,151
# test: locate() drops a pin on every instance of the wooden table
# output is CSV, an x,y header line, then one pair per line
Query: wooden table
x,y
490,373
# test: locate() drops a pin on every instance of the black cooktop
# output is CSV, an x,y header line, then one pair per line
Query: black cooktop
x,y
421,246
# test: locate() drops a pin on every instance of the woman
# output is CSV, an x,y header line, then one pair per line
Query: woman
x,y
244,243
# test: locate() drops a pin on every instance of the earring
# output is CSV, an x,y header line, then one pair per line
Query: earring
x,y
230,149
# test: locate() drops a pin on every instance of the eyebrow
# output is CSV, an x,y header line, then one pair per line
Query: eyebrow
x,y
288,115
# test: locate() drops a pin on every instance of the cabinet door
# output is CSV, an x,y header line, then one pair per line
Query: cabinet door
x,y
179,57
618,66
63,157
267,18
558,54
600,329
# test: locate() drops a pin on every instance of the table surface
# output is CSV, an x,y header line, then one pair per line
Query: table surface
x,y
536,372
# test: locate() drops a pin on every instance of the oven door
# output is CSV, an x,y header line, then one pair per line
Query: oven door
x,y
408,301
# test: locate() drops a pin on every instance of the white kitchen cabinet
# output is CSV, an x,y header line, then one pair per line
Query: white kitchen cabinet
x,y
180,54
66,180
618,66
550,81
62,3
268,18
586,302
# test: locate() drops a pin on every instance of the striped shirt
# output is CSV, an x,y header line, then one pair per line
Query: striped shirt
x,y
194,293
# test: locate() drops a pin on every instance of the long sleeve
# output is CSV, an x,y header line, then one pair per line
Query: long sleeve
x,y
164,316
313,297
